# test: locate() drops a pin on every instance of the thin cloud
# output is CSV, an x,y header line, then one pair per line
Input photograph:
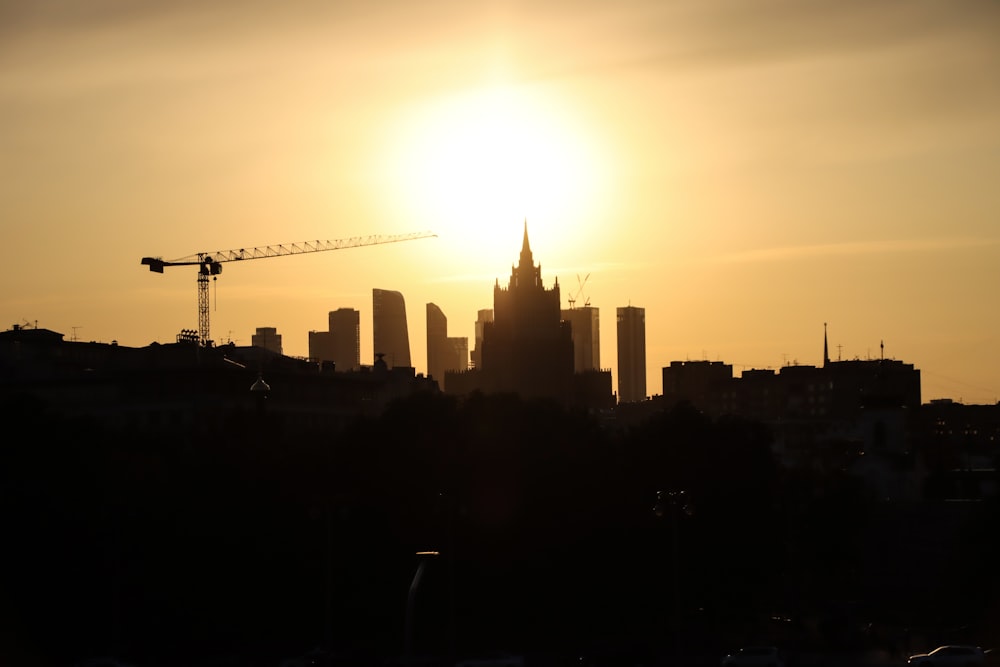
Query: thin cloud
x,y
852,248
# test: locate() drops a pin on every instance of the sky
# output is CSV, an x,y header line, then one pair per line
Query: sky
x,y
745,170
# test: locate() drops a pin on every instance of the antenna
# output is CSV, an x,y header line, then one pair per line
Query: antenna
x,y
74,338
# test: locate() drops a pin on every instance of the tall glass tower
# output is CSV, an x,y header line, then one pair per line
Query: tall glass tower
x,y
389,330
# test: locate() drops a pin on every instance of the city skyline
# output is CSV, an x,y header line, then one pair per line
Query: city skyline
x,y
745,176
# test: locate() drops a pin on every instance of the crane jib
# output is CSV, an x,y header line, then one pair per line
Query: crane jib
x,y
211,264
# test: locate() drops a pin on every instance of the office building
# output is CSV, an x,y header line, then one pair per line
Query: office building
x,y
390,334
631,354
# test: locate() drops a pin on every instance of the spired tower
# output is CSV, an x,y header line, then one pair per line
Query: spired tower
x,y
527,348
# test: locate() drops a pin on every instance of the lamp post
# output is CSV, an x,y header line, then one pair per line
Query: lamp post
x,y
674,502
422,558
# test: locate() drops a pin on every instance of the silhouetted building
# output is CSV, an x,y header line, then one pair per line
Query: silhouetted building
x,y
482,318
958,445
838,390
631,354
697,382
527,348
586,325
390,334
443,353
188,391
827,416
267,338
341,344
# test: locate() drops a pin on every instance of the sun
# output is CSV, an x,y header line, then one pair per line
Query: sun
x,y
474,165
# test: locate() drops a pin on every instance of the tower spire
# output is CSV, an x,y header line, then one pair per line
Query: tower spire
x,y
826,347
526,258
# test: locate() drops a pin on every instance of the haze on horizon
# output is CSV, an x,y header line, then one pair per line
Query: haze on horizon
x,y
743,171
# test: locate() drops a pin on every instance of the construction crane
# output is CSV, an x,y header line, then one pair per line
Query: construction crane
x,y
572,299
210,263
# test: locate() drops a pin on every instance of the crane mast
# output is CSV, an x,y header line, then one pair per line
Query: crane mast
x,y
210,263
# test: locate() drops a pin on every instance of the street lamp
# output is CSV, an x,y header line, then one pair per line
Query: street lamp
x,y
422,558
674,502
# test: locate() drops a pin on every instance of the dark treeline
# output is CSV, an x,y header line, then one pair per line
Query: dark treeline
x,y
259,544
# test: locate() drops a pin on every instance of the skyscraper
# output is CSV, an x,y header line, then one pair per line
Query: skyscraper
x,y
443,353
586,337
631,354
341,344
390,334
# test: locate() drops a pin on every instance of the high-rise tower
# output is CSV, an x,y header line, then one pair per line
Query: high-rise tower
x,y
631,354
390,335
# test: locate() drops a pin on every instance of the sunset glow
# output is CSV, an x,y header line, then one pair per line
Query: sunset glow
x,y
474,164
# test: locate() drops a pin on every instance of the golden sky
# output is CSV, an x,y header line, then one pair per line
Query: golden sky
x,y
743,170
